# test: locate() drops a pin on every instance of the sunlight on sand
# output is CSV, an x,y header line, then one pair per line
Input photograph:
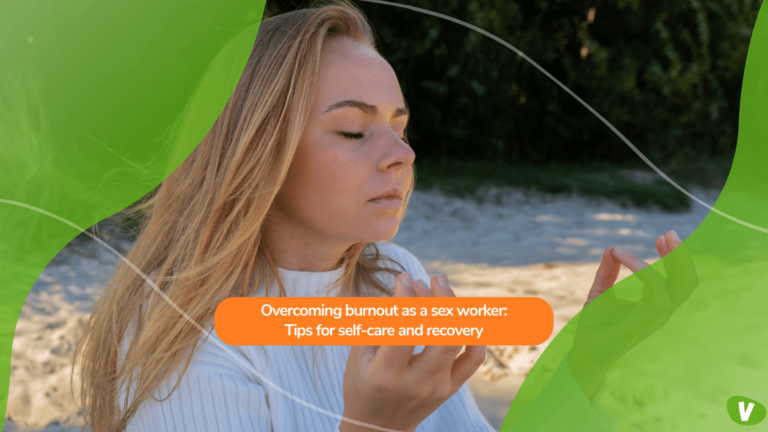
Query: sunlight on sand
x,y
528,245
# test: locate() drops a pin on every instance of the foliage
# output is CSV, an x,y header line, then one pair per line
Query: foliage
x,y
472,178
666,74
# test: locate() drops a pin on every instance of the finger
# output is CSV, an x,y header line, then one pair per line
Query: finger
x,y
435,359
361,354
404,286
681,261
440,287
654,289
661,246
629,260
467,364
682,277
672,240
356,352
391,357
421,288
606,275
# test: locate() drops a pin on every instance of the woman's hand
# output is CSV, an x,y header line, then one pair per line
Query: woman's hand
x,y
390,387
610,327
614,257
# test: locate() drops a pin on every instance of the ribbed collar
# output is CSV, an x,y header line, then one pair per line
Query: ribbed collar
x,y
305,283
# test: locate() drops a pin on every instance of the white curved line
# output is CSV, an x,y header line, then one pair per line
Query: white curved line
x,y
220,344
586,105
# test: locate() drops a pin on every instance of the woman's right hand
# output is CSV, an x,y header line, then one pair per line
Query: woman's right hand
x,y
390,387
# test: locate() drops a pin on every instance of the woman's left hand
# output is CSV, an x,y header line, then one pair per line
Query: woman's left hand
x,y
612,326
614,257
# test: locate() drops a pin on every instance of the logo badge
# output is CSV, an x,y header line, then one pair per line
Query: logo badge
x,y
745,411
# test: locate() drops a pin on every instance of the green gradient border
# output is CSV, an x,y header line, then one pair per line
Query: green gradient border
x,y
96,109
714,345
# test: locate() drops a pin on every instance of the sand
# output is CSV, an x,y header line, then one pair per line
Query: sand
x,y
511,243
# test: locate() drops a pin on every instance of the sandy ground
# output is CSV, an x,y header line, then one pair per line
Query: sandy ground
x,y
512,243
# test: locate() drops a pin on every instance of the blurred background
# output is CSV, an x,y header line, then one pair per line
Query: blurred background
x,y
666,74
519,187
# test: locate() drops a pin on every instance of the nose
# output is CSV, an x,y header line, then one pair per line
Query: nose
x,y
396,154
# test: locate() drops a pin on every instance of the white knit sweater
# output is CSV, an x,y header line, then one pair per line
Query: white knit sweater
x,y
299,388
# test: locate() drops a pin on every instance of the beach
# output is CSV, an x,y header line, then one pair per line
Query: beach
x,y
507,242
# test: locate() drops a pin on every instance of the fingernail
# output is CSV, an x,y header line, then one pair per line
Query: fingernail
x,y
406,280
618,250
443,281
675,236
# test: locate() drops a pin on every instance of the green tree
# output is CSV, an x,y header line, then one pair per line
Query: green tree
x,y
667,74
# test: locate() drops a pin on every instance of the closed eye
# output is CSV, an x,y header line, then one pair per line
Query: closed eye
x,y
352,135
360,135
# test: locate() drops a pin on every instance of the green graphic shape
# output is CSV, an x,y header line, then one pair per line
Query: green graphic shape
x,y
96,109
99,102
745,411
665,348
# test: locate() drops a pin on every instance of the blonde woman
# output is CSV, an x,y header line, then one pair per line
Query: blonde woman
x,y
295,191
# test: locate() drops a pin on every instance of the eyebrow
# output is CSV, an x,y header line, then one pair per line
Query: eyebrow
x,y
368,109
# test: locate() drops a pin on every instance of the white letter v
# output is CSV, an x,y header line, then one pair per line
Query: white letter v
x,y
745,415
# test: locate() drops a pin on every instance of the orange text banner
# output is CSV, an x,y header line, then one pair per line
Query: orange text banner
x,y
384,321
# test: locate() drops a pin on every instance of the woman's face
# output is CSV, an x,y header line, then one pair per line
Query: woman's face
x,y
352,168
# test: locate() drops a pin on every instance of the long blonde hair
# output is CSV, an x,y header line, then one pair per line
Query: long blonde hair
x,y
202,235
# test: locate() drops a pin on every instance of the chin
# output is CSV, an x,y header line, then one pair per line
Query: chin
x,y
383,231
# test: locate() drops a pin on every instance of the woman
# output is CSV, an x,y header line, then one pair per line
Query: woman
x,y
294,191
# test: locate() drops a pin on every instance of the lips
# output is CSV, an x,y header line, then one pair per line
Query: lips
x,y
393,193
